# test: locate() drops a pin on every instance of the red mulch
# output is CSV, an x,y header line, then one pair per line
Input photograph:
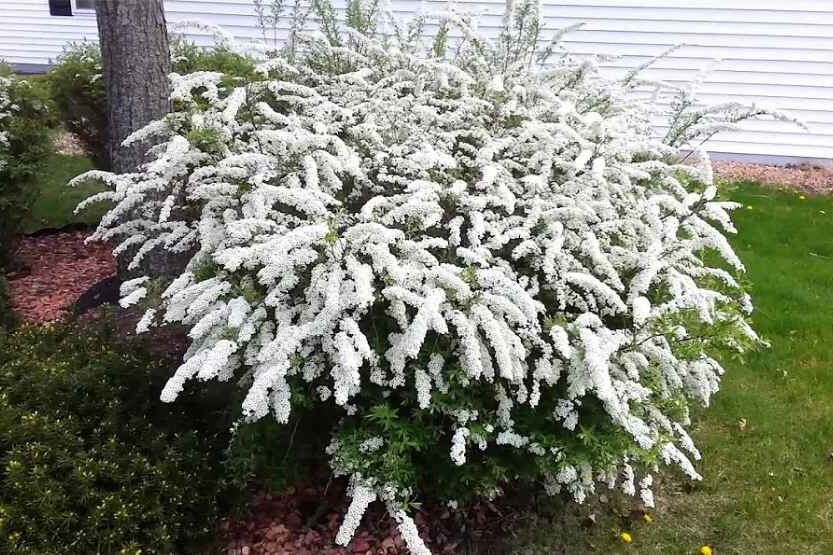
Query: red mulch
x,y
54,270
295,524
815,180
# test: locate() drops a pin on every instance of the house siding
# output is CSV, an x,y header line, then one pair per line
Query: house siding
x,y
775,53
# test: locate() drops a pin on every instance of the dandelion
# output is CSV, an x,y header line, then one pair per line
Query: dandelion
x,y
647,518
626,537
705,550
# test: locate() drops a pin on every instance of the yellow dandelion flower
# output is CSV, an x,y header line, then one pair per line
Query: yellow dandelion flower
x,y
647,518
705,550
625,537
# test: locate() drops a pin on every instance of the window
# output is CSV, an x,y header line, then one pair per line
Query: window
x,y
82,6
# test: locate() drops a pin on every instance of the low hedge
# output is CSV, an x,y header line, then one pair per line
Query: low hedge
x,y
90,460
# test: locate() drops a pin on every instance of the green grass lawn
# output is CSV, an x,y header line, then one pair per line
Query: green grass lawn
x,y
767,439
55,202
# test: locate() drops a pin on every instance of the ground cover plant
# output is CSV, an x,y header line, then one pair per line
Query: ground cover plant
x,y
491,271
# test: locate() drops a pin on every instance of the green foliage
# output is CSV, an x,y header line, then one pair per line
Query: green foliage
x,y
8,319
90,460
272,456
80,95
54,204
188,58
24,119
81,98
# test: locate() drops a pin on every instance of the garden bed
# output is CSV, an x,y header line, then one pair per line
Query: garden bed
x,y
816,180
54,270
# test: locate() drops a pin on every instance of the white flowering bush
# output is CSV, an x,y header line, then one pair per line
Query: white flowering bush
x,y
479,256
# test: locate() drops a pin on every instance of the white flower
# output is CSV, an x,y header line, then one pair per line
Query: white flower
x,y
371,445
645,492
362,497
409,532
458,446
145,322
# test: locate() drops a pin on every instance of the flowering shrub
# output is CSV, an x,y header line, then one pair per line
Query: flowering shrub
x,y
24,142
483,258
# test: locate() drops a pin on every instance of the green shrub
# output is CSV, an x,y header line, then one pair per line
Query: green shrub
x,y
187,57
81,97
8,319
90,460
266,455
24,142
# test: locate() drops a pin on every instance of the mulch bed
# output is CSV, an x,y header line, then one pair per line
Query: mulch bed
x,y
54,269
299,523
815,180
69,143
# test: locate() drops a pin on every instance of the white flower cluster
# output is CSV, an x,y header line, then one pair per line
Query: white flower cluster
x,y
362,497
526,218
6,112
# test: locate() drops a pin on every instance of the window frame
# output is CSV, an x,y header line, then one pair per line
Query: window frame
x,y
76,10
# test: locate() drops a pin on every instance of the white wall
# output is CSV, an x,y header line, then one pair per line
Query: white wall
x,y
775,52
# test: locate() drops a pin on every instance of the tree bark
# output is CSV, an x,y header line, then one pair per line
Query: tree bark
x,y
136,62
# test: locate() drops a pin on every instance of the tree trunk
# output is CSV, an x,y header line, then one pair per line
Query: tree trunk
x,y
136,61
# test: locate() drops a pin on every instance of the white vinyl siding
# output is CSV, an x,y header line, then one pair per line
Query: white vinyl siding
x,y
772,52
